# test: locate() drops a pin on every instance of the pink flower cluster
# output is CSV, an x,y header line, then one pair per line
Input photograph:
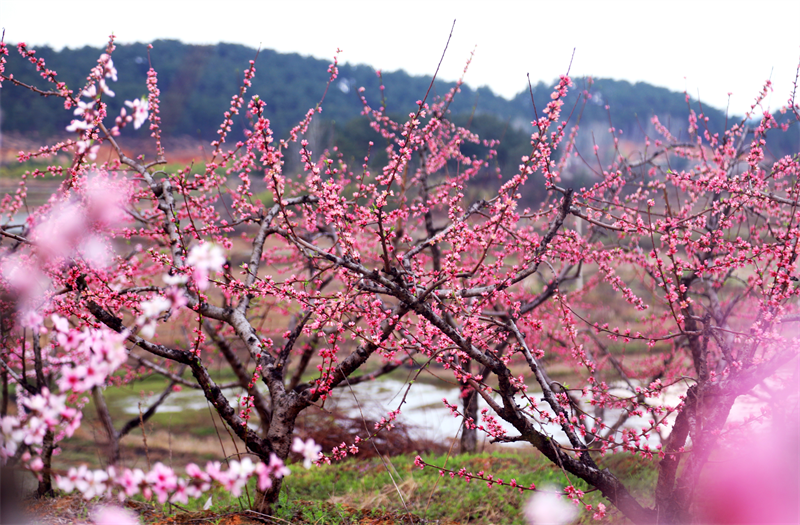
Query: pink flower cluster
x,y
547,507
94,111
163,483
173,299
40,413
72,230
204,259
308,449
95,354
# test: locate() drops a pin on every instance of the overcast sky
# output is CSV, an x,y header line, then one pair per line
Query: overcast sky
x,y
708,48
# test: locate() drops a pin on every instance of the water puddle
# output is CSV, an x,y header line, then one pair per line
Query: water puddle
x,y
423,410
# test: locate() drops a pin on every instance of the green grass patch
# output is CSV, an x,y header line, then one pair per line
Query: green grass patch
x,y
367,484
15,170
369,491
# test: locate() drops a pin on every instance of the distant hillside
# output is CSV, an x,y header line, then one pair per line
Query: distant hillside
x,y
197,83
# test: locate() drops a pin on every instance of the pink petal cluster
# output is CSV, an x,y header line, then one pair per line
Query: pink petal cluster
x,y
73,229
204,259
163,483
308,449
42,412
546,507
140,113
97,353
108,515
173,299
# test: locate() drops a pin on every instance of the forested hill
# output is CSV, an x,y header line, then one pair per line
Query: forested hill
x,y
197,83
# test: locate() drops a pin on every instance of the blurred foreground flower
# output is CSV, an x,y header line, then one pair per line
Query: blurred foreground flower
x,y
205,258
755,482
546,507
114,516
308,449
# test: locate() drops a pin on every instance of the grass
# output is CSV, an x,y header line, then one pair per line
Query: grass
x,y
368,485
363,491
360,490
15,170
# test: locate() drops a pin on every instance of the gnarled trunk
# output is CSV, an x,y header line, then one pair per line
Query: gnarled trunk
x,y
279,435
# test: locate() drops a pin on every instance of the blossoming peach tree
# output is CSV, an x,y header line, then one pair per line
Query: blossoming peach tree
x,y
675,271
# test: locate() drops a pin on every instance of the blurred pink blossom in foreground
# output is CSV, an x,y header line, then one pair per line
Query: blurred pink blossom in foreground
x,y
755,482
546,507
76,228
308,449
205,258
114,516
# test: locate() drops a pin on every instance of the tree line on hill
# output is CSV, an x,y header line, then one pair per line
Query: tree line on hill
x,y
197,83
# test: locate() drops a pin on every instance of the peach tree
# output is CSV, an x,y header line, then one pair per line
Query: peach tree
x,y
664,291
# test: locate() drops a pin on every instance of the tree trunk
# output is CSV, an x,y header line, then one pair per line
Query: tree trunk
x,y
469,434
707,410
279,435
4,402
265,500
45,488
105,418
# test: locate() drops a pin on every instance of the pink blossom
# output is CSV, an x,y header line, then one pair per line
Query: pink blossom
x,y
275,469
545,507
155,306
69,482
104,87
105,201
60,324
35,429
130,480
72,378
151,310
238,474
36,464
600,513
31,319
205,258
103,352
181,493
25,279
278,468
163,481
109,71
12,435
88,147
92,483
308,449
139,107
176,297
114,516
83,107
78,125
264,479
71,340
60,232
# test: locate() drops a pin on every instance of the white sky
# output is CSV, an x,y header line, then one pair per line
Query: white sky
x,y
708,48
